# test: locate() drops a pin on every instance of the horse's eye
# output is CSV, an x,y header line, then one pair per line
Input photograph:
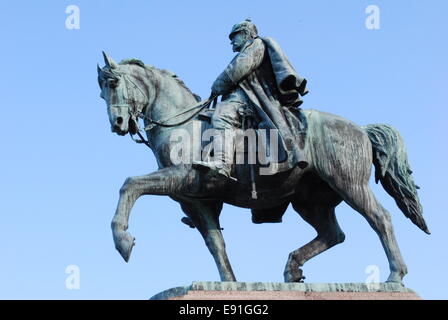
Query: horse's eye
x,y
112,83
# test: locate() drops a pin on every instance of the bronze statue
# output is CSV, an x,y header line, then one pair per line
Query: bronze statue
x,y
338,156
259,77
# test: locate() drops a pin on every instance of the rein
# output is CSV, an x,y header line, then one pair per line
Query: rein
x,y
135,114
201,106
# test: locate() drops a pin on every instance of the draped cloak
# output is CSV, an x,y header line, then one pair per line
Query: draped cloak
x,y
273,88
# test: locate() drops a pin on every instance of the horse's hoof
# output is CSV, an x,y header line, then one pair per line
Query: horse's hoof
x,y
124,242
295,275
397,281
395,277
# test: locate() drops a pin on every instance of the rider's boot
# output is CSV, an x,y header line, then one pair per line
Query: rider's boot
x,y
224,149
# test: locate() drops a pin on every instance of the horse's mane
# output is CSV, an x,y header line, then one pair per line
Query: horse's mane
x,y
168,73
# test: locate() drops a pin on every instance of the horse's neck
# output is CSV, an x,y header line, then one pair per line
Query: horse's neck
x,y
169,98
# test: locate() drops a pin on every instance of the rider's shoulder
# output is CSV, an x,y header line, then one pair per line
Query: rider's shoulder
x,y
254,44
258,42
269,41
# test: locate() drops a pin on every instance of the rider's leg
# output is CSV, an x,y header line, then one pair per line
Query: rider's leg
x,y
225,120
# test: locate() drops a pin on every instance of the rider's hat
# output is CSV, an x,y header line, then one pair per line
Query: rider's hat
x,y
245,25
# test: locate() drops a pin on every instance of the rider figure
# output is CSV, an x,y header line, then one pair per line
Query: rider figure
x,y
261,76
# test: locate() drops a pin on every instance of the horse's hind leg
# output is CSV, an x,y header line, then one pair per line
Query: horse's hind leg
x,y
205,216
323,219
362,199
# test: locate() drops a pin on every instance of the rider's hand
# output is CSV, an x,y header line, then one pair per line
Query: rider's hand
x,y
222,85
215,91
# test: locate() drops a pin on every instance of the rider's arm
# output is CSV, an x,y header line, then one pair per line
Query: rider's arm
x,y
241,66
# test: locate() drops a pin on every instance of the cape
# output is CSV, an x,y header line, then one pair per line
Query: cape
x,y
290,85
273,88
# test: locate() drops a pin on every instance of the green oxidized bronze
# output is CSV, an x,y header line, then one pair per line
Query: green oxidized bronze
x,y
321,159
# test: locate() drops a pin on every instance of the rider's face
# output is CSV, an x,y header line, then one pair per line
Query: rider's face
x,y
238,40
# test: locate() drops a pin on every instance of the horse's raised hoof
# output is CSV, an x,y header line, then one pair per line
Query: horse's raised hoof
x,y
124,242
295,275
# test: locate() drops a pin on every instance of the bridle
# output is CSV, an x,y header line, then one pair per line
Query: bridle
x,y
132,104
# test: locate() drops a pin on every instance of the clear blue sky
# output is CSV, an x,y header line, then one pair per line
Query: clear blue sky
x,y
61,167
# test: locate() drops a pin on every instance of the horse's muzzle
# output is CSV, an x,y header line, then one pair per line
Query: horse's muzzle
x,y
118,130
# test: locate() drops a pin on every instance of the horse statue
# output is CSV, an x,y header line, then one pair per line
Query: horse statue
x,y
341,155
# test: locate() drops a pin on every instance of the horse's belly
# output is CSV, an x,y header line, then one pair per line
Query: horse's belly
x,y
270,190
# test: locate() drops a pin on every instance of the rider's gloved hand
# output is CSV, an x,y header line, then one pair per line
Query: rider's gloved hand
x,y
222,85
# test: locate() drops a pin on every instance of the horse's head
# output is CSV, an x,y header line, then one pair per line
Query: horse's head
x,y
124,98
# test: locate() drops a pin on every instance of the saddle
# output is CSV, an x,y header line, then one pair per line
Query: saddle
x,y
267,161
241,168
248,172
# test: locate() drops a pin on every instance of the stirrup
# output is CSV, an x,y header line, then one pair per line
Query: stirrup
x,y
226,174
302,164
210,168
202,166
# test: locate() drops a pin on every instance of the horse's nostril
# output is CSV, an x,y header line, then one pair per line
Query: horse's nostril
x,y
119,120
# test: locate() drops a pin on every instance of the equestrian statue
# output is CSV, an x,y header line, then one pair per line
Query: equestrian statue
x,y
261,151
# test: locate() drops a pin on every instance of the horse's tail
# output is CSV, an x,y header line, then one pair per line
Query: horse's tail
x,y
393,170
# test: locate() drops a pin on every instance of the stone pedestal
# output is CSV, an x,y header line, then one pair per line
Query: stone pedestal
x,y
287,291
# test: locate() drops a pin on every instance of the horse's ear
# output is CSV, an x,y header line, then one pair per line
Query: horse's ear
x,y
98,69
110,63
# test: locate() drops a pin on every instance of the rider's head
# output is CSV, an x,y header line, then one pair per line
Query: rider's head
x,y
241,33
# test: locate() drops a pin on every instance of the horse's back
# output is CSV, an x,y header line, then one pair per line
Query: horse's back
x,y
337,146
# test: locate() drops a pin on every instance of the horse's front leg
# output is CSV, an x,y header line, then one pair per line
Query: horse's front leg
x,y
166,181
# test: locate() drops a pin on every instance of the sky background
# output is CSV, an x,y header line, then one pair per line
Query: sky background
x,y
61,167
